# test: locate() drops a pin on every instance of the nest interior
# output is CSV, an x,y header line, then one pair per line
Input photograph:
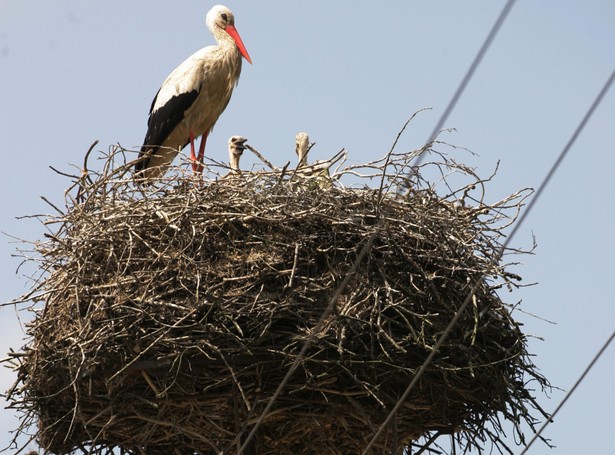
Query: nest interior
x,y
168,315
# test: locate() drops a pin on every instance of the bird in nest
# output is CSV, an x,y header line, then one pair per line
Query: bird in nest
x,y
192,98
236,146
317,173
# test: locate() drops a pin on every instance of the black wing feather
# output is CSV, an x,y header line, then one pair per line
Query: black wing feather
x,y
162,121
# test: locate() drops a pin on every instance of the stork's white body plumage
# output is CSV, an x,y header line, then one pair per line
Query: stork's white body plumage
x,y
192,97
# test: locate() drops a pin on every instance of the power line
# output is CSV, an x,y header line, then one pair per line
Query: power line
x,y
318,327
466,79
444,117
479,56
308,343
498,256
576,384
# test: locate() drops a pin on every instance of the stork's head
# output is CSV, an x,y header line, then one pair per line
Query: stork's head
x,y
236,146
302,145
221,18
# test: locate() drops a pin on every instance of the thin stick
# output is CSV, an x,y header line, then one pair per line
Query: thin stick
x,y
261,157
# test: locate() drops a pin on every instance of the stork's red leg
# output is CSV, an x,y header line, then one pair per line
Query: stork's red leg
x,y
192,154
202,151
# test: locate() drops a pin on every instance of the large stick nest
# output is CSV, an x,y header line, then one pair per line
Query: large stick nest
x,y
171,313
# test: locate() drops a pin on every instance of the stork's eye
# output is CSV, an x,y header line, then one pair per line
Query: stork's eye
x,y
224,17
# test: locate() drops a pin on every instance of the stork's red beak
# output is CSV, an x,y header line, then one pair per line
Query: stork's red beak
x,y
231,30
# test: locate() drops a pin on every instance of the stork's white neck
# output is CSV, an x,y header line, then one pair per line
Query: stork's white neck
x,y
234,162
222,38
302,145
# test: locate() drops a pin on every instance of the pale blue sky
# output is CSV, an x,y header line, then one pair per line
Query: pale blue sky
x,y
350,73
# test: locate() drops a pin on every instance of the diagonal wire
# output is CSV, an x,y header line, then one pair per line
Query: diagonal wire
x,y
479,56
462,86
576,384
319,325
498,256
308,343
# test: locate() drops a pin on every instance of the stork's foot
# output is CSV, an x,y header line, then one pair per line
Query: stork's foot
x,y
197,167
200,167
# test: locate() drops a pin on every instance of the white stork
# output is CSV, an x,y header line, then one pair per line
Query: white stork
x,y
302,145
318,171
236,146
192,98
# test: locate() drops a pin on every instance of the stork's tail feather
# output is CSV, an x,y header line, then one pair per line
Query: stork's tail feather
x,y
142,163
